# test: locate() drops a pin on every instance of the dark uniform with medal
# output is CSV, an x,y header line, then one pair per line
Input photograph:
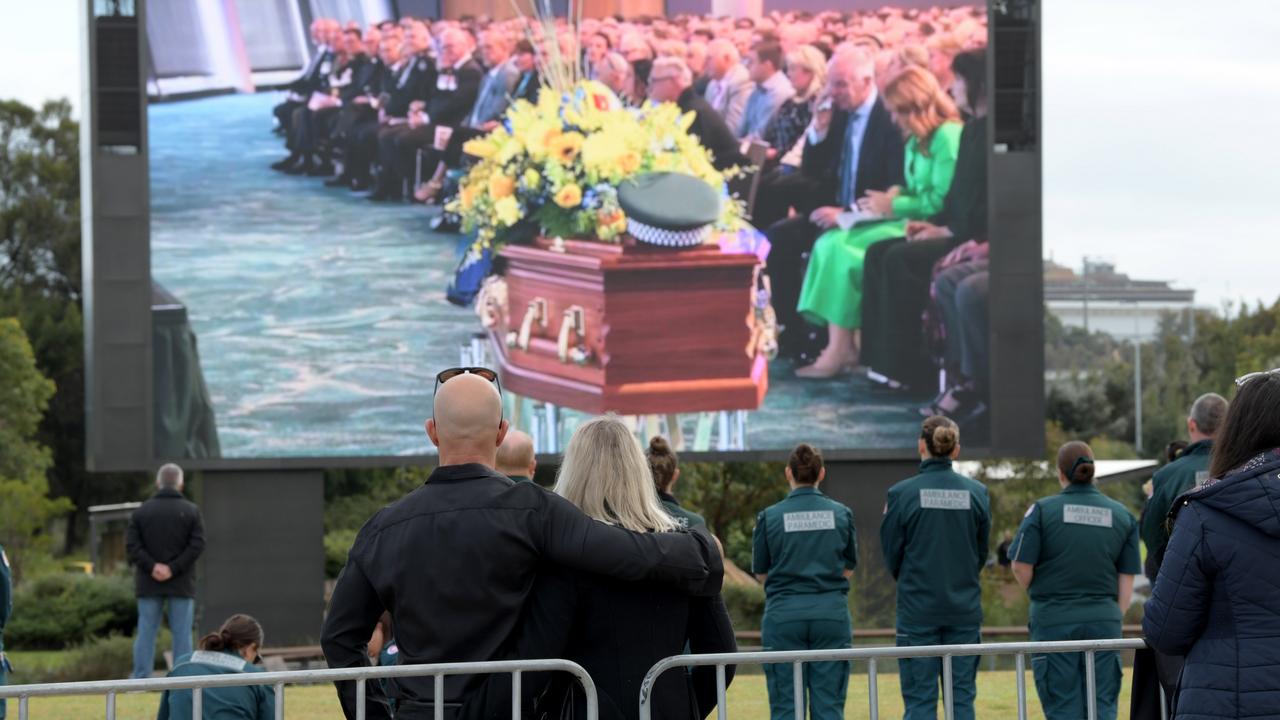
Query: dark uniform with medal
x,y
806,548
6,609
1082,548
935,536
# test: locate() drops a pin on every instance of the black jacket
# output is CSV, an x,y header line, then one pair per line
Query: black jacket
x,y
315,76
964,209
166,529
880,160
455,560
527,86
711,130
451,105
403,89
616,631
366,77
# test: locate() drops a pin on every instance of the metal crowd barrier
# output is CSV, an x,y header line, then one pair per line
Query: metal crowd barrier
x,y
798,658
197,683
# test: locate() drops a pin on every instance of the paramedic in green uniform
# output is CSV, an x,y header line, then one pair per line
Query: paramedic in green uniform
x,y
1189,470
1077,554
232,649
6,608
804,550
935,537
665,467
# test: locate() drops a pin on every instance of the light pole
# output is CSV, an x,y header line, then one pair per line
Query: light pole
x,y
1137,380
1085,274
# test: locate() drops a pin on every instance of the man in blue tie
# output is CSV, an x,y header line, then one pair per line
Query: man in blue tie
x,y
851,146
772,89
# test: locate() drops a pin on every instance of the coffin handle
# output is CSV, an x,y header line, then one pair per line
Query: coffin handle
x,y
536,312
574,322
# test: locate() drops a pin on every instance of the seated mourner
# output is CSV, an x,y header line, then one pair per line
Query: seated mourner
x,y
232,649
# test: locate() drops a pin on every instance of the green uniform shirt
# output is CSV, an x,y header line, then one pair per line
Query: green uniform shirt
x,y
245,702
935,539
1169,483
686,518
805,543
1080,541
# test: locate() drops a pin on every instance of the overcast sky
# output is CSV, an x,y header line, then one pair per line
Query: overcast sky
x,y
1159,132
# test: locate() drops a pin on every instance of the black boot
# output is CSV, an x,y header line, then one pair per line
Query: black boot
x,y
305,167
286,163
339,181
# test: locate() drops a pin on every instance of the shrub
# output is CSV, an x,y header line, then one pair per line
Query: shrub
x,y
336,545
59,611
745,604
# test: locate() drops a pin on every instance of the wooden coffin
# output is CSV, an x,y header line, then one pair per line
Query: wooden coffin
x,y
631,329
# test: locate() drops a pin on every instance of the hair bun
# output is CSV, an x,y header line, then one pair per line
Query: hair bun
x,y
658,445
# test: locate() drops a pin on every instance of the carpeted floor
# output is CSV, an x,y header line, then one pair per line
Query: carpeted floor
x,y
321,317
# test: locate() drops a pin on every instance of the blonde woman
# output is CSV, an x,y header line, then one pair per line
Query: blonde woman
x,y
807,70
832,292
615,630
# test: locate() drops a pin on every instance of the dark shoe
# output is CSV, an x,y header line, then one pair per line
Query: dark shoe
x,y
322,170
286,163
339,181
358,185
382,196
445,223
305,167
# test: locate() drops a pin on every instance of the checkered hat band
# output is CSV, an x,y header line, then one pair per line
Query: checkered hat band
x,y
667,238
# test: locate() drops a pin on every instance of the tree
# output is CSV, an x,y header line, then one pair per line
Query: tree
x,y
40,285
25,508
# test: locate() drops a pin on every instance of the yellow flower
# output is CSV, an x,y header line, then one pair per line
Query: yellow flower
x,y
629,162
566,147
479,147
569,196
467,196
501,186
532,179
507,210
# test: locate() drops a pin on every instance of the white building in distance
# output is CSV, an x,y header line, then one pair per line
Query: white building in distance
x,y
1100,299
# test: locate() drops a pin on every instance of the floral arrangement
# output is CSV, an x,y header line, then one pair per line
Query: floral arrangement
x,y
553,168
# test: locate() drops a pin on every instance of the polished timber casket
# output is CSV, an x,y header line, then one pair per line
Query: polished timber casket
x,y
630,328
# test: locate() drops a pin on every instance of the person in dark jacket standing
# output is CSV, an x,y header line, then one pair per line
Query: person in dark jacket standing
x,y
804,549
935,536
165,537
1217,598
485,536
665,467
1077,554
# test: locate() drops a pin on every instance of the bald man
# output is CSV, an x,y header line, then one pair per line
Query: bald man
x,y
454,560
516,458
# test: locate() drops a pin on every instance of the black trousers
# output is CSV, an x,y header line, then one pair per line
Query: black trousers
x,y
284,114
310,128
895,293
360,149
390,182
451,156
963,296
792,242
779,192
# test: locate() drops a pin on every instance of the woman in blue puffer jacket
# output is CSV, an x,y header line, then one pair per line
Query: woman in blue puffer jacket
x,y
1217,598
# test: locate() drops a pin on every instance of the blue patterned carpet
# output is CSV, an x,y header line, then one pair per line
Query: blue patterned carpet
x,y
321,316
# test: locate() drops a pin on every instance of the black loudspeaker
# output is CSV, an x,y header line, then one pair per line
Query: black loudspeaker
x,y
1016,50
119,86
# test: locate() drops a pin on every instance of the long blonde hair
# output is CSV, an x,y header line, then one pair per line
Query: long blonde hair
x,y
922,106
606,475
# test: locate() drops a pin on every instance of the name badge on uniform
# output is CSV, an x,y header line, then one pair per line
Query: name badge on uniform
x,y
1202,478
935,499
809,521
393,649
326,67
682,522
1086,515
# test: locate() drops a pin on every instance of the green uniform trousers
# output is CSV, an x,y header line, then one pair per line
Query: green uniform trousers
x,y
1060,677
825,684
4,672
922,677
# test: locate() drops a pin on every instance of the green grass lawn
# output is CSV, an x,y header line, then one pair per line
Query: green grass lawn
x,y
997,698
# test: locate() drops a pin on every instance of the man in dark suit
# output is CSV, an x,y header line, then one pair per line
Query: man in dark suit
x,y
413,84
672,81
852,147
313,123
528,84
457,86
358,128
324,32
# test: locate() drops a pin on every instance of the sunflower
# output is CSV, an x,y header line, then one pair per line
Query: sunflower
x,y
501,186
565,147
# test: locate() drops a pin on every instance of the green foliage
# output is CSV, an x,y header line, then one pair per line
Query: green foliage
x,y
729,495
337,543
352,497
58,611
25,507
102,658
745,603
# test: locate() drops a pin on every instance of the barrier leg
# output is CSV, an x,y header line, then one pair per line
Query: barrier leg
x,y
438,700
515,695
948,699
1020,661
22,708
1090,685
360,698
873,689
722,713
197,702
279,701
111,706
797,678
1164,705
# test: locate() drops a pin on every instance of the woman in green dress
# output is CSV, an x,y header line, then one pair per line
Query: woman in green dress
x,y
832,291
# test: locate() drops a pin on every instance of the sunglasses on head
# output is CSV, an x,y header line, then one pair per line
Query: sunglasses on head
x,y
1240,381
445,376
